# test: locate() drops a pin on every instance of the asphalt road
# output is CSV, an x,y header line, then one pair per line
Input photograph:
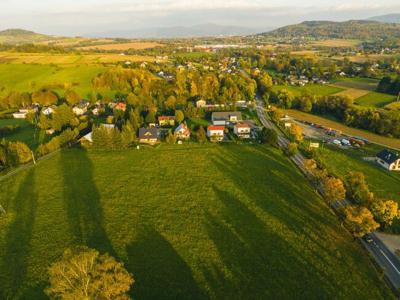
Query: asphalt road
x,y
388,261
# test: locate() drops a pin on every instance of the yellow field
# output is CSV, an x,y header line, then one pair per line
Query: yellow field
x,y
123,46
372,137
68,59
336,43
352,93
310,53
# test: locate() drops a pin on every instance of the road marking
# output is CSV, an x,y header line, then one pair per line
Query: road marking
x,y
389,260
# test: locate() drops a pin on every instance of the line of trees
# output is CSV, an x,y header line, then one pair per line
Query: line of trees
x,y
362,212
389,85
375,120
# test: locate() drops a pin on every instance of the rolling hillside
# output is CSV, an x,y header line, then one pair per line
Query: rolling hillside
x,y
337,30
20,36
392,18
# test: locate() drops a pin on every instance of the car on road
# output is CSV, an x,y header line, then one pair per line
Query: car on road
x,y
368,239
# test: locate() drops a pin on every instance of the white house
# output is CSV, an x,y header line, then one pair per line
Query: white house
x,y
388,160
48,110
19,115
215,133
242,130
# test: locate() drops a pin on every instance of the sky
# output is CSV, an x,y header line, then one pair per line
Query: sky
x,y
83,17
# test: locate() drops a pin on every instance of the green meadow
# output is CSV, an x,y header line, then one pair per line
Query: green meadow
x,y
375,99
189,222
32,77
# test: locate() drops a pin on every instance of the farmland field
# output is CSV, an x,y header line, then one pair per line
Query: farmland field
x,y
313,89
375,99
353,93
368,84
190,222
372,137
69,59
336,43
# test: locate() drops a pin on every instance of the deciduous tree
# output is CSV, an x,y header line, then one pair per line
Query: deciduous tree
x,y
84,273
360,220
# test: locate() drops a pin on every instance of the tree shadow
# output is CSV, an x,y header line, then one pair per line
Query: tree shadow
x,y
257,263
82,200
159,271
14,263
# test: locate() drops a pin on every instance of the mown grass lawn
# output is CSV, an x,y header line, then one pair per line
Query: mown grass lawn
x,y
190,222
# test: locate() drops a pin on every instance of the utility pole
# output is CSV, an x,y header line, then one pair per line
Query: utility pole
x,y
2,210
33,158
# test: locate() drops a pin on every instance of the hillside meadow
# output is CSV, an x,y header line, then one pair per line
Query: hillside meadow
x,y
189,222
31,77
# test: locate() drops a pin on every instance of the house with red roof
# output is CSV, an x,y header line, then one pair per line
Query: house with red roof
x,y
216,133
165,121
242,130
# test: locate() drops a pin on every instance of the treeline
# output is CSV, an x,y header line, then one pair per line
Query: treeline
x,y
105,138
379,121
389,85
187,85
13,154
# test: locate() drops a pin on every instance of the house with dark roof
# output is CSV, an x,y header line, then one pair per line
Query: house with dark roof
x,y
226,117
149,135
388,160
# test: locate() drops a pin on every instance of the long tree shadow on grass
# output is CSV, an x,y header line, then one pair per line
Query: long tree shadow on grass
x,y
256,262
159,271
269,180
14,263
82,200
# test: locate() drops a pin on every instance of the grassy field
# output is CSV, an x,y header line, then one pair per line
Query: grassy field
x,y
25,134
314,89
375,99
372,137
123,46
190,222
69,59
31,77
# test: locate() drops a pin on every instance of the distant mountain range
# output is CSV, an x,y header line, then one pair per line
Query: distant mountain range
x,y
392,18
201,30
354,29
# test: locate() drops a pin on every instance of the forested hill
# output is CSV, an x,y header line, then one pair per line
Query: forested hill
x,y
21,36
363,30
